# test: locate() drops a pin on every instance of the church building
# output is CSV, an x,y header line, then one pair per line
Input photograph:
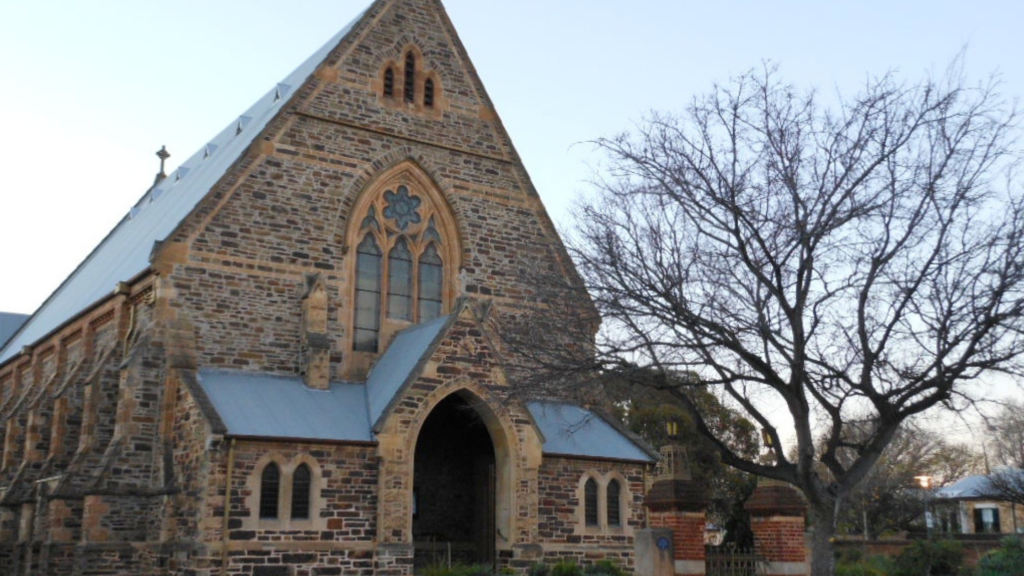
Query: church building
x,y
286,359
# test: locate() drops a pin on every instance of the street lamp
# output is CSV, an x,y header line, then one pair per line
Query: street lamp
x,y
925,482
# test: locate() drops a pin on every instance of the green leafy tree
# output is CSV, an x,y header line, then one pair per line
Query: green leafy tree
x,y
647,412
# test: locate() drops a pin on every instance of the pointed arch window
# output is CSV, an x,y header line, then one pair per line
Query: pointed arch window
x,y
613,507
410,77
403,264
400,282
431,278
368,290
590,502
389,82
428,93
270,484
302,481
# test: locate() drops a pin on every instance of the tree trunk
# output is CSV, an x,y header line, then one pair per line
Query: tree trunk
x,y
823,556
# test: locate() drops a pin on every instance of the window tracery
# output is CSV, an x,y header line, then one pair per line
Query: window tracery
x,y
404,261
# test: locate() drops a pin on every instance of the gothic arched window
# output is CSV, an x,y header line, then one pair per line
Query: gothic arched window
x,y
428,93
590,502
368,289
270,483
431,271
302,481
410,77
389,82
400,282
613,508
404,263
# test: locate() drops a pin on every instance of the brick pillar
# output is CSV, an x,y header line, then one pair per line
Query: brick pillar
x,y
777,518
678,503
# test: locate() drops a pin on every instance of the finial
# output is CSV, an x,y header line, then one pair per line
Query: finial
x,y
163,155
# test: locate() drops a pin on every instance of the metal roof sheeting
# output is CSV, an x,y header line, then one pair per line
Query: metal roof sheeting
x,y
9,324
570,430
266,406
970,487
125,252
398,362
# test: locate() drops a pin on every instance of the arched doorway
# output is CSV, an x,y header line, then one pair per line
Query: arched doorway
x,y
454,487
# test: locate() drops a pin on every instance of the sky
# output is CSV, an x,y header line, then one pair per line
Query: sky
x,y
91,90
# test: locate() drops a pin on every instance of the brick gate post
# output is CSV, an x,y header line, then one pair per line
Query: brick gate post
x,y
777,518
678,503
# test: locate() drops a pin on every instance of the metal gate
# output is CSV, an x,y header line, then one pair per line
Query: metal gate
x,y
729,560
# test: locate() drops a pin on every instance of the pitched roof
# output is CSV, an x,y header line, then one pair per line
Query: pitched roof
x,y
976,486
125,252
267,406
400,363
570,430
9,324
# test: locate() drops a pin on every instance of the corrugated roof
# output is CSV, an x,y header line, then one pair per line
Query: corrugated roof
x,y
396,365
9,324
570,430
268,406
125,252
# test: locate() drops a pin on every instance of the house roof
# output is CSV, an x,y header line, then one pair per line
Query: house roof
x,y
125,252
9,324
266,406
570,430
971,487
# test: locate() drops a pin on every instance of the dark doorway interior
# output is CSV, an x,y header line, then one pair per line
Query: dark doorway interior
x,y
453,487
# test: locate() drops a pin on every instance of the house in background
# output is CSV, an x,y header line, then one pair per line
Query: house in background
x,y
968,507
284,360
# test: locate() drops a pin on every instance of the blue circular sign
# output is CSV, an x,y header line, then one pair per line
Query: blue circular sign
x,y
663,543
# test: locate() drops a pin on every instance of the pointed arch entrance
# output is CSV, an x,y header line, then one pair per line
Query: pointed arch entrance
x,y
454,484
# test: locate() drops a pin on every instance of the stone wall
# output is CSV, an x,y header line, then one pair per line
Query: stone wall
x,y
561,527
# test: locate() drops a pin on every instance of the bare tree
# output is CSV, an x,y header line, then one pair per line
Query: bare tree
x,y
813,265
1007,435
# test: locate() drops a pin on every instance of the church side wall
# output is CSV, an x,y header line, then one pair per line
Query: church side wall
x,y
339,536
562,529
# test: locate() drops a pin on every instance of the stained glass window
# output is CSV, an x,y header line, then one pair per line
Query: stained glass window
x,y
400,282
402,207
270,482
301,483
431,268
590,502
368,291
614,509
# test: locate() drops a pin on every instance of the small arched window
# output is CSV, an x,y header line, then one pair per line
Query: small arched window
x,y
614,507
428,93
302,481
410,77
389,82
368,289
270,484
400,282
590,502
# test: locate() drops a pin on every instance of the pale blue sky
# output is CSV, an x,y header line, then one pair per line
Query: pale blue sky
x,y
91,90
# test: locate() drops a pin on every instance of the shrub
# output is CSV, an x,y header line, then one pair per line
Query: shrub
x,y
930,558
566,568
1007,560
539,569
604,568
